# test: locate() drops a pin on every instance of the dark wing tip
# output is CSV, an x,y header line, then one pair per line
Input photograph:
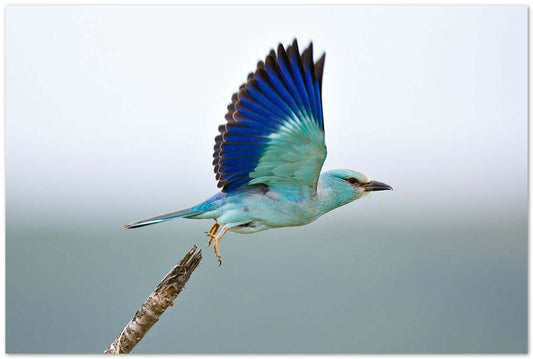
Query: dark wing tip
x,y
295,43
319,68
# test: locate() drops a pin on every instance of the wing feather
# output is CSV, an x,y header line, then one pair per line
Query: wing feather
x,y
274,133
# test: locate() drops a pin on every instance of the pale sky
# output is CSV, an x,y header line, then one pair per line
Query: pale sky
x,y
121,100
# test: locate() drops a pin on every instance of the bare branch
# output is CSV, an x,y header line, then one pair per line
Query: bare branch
x,y
160,299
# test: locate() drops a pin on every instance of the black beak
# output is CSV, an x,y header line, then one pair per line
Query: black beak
x,y
376,186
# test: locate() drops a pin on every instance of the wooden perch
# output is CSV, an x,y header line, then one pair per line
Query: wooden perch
x,y
160,299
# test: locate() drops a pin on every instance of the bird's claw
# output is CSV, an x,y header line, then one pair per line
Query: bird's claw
x,y
217,251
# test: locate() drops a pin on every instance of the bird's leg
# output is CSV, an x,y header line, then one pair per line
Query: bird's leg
x,y
212,232
217,239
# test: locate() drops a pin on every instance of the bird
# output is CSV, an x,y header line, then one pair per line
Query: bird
x,y
269,154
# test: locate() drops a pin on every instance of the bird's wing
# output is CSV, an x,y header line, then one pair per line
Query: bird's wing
x,y
274,133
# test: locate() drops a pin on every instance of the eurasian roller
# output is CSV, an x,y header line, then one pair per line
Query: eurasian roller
x,y
269,154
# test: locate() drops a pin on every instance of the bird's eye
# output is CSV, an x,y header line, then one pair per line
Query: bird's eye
x,y
353,180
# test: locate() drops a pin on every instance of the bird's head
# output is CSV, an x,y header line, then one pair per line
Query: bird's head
x,y
348,185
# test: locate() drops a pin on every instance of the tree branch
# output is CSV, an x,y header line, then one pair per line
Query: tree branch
x,y
160,299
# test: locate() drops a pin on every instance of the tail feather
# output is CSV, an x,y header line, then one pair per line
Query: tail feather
x,y
162,218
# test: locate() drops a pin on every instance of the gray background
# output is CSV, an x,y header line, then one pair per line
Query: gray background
x,y
110,117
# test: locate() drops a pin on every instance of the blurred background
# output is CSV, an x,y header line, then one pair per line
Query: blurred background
x,y
111,114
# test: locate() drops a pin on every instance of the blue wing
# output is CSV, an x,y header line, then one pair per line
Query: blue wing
x,y
274,133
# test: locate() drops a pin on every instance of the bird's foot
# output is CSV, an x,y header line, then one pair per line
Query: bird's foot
x,y
213,236
217,239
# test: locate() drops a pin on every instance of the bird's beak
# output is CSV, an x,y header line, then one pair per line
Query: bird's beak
x,y
376,186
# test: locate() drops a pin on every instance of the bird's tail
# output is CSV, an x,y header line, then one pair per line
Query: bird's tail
x,y
162,218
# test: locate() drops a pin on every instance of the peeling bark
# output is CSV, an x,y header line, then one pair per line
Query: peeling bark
x,y
160,299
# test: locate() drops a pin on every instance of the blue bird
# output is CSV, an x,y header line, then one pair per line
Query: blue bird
x,y
269,154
